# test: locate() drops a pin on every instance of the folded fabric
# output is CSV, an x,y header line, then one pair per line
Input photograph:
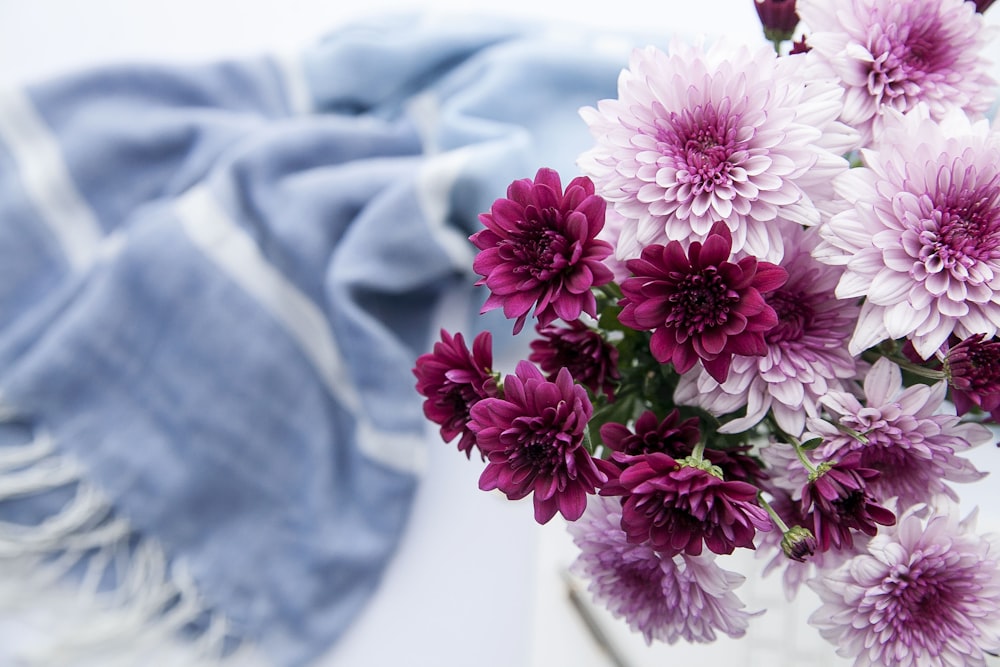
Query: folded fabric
x,y
214,282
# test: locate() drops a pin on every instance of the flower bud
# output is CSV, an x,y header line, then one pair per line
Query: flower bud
x,y
798,543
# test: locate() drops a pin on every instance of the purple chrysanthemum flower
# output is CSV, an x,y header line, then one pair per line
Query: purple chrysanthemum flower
x,y
972,368
894,54
926,594
805,354
677,438
907,438
700,305
539,249
664,598
532,439
921,241
672,435
838,498
697,137
591,360
452,380
679,506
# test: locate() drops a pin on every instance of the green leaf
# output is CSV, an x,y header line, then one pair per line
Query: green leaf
x,y
812,443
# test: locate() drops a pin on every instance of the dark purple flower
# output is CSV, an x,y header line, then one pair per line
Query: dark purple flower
x,y
700,305
672,436
676,438
973,371
453,380
589,358
839,500
539,249
678,507
533,442
778,17
982,5
799,46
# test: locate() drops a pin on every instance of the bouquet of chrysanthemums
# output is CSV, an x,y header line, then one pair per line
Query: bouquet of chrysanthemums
x,y
766,317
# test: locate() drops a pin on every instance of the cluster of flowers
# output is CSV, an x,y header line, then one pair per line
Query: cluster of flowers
x,y
766,318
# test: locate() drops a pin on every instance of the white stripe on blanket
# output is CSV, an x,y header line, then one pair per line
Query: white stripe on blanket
x,y
293,76
210,228
46,179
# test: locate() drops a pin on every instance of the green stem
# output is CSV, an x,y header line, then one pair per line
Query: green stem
x,y
801,453
781,525
917,369
907,365
699,451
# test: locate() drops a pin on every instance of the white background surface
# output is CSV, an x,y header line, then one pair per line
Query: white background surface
x,y
476,582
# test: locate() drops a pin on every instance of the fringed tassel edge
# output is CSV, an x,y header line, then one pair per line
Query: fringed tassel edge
x,y
78,590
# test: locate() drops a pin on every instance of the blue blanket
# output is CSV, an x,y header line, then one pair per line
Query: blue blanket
x,y
214,282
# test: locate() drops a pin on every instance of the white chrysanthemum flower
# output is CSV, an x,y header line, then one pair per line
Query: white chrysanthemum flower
x,y
893,54
700,136
921,242
666,599
925,594
806,355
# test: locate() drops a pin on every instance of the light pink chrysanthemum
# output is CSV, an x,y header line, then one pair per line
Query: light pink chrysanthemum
x,y
921,242
907,439
893,54
806,353
926,594
666,599
701,136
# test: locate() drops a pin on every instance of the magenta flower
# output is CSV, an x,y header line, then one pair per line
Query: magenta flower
x,y
672,436
665,599
973,371
699,305
894,54
539,249
726,135
532,439
452,380
591,360
676,438
837,495
926,593
907,437
677,507
921,244
805,353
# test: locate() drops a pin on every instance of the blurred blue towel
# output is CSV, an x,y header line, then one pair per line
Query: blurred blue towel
x,y
213,284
